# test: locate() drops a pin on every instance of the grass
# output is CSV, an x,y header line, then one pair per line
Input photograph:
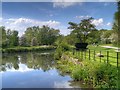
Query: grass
x,y
107,45
26,49
84,55
93,74
96,71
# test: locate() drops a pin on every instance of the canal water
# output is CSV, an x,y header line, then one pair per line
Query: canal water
x,y
33,70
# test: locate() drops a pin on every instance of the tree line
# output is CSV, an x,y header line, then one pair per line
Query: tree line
x,y
84,31
33,36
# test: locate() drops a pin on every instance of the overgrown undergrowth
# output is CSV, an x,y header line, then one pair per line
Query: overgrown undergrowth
x,y
93,73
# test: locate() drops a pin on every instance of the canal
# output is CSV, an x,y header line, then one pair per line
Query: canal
x,y
33,70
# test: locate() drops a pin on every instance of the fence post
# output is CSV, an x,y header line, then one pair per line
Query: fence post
x,y
82,54
94,55
117,59
100,56
85,55
76,53
107,57
89,54
73,52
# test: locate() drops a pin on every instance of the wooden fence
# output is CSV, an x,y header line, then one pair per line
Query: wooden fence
x,y
107,57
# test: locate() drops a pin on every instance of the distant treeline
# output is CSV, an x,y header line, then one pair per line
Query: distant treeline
x,y
34,36
81,32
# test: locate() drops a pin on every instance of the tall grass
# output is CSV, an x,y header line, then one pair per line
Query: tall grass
x,y
97,72
92,73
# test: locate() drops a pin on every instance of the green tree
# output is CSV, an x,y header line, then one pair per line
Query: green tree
x,y
116,27
22,41
3,39
106,36
42,36
34,41
29,35
82,29
12,38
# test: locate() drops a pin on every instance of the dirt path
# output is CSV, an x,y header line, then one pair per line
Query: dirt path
x,y
116,48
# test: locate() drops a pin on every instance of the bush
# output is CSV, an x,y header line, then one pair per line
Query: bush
x,y
105,76
96,74
60,49
80,73
58,53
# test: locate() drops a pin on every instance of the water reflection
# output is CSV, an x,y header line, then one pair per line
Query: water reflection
x,y
31,60
32,70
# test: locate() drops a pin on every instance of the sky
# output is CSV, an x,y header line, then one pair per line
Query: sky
x,y
20,15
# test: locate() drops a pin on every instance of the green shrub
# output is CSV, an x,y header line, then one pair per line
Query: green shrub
x,y
80,73
106,76
58,53
63,47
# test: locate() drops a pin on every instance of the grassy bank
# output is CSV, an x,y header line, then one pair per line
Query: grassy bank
x,y
92,73
95,73
109,55
27,49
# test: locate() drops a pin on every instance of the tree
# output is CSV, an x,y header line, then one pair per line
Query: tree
x,y
116,27
106,36
94,37
82,29
12,38
34,42
22,41
29,35
41,36
3,41
9,37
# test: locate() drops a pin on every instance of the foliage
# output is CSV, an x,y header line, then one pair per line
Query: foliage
x,y
98,75
62,47
9,37
22,41
106,36
41,36
115,28
34,36
82,29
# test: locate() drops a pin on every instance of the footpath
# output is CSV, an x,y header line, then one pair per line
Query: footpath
x,y
116,48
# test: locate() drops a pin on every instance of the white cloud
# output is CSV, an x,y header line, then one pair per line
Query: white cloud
x,y
65,3
51,15
21,24
98,22
0,21
107,0
108,24
83,17
106,4
64,30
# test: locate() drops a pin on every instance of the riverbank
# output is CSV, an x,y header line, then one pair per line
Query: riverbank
x,y
27,49
92,73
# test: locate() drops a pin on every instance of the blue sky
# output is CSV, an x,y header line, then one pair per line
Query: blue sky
x,y
21,15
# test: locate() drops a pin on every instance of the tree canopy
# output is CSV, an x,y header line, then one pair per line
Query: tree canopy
x,y
82,29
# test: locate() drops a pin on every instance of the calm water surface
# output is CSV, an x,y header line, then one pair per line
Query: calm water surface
x,y
32,70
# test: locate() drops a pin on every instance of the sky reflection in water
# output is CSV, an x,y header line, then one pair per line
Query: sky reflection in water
x,y
32,70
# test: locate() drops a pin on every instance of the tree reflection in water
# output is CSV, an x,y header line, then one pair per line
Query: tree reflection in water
x,y
33,60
